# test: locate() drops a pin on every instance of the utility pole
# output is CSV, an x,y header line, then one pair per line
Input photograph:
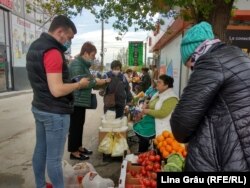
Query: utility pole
x,y
102,45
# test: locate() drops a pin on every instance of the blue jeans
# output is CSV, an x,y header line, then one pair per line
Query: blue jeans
x,y
51,133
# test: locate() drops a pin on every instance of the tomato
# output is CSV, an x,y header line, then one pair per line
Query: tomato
x,y
149,162
143,172
149,167
140,160
156,166
153,175
152,158
153,183
133,173
146,182
158,158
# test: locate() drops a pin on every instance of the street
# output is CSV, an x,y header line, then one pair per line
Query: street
x,y
17,140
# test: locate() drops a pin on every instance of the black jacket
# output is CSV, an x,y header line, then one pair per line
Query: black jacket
x,y
43,99
213,114
119,85
145,82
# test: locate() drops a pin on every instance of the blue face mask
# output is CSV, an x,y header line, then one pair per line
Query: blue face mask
x,y
67,44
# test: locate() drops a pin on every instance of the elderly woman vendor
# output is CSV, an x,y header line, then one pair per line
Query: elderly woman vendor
x,y
156,113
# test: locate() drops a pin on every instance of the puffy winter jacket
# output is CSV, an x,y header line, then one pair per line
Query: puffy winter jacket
x,y
80,67
213,114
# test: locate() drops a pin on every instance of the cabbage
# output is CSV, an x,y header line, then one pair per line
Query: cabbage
x,y
175,163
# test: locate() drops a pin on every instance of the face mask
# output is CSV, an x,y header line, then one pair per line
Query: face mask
x,y
116,72
67,44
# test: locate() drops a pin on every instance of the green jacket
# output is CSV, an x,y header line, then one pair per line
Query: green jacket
x,y
81,67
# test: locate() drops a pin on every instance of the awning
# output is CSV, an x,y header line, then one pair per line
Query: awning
x,y
241,15
173,31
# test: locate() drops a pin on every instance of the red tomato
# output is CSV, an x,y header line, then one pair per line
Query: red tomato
x,y
144,172
146,182
157,166
133,173
152,158
153,184
153,175
149,162
157,158
149,167
140,160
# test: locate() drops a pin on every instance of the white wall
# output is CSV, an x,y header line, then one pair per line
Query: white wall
x,y
170,54
242,4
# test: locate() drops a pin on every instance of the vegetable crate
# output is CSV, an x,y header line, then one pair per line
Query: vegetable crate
x,y
126,179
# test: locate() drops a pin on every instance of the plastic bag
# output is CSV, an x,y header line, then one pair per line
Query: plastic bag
x,y
106,144
119,145
70,178
81,169
94,180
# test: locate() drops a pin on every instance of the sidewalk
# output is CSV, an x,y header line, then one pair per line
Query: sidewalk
x,y
17,140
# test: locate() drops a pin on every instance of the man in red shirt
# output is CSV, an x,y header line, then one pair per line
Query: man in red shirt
x,y
52,101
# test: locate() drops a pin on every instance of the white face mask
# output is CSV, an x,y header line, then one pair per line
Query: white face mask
x,y
116,72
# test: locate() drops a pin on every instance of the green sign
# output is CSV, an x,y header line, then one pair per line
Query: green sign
x,y
135,53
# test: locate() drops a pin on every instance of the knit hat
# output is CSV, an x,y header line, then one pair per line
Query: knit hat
x,y
193,38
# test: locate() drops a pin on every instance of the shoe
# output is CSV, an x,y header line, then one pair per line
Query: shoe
x,y
85,151
82,157
49,185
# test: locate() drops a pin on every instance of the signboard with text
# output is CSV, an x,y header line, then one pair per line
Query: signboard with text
x,y
135,53
240,38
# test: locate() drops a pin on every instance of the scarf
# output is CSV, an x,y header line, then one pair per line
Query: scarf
x,y
203,48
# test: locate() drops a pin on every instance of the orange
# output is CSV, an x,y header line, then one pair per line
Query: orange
x,y
164,143
165,134
168,148
160,138
162,149
165,154
159,145
170,141
184,153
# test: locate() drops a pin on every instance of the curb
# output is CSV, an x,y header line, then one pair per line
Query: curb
x,y
9,94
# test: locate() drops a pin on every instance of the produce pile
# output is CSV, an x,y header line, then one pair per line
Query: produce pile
x,y
167,145
150,165
168,156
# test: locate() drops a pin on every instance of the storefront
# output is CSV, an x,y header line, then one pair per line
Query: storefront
x,y
238,32
5,46
18,29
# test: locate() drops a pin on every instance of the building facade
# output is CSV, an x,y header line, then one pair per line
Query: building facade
x,y
18,29
165,43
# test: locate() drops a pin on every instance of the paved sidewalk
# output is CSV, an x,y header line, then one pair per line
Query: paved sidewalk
x,y
17,140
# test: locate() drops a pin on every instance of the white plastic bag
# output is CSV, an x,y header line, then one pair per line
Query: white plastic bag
x,y
70,178
119,145
94,180
81,169
106,144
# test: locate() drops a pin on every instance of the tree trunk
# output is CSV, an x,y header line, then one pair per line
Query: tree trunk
x,y
219,18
